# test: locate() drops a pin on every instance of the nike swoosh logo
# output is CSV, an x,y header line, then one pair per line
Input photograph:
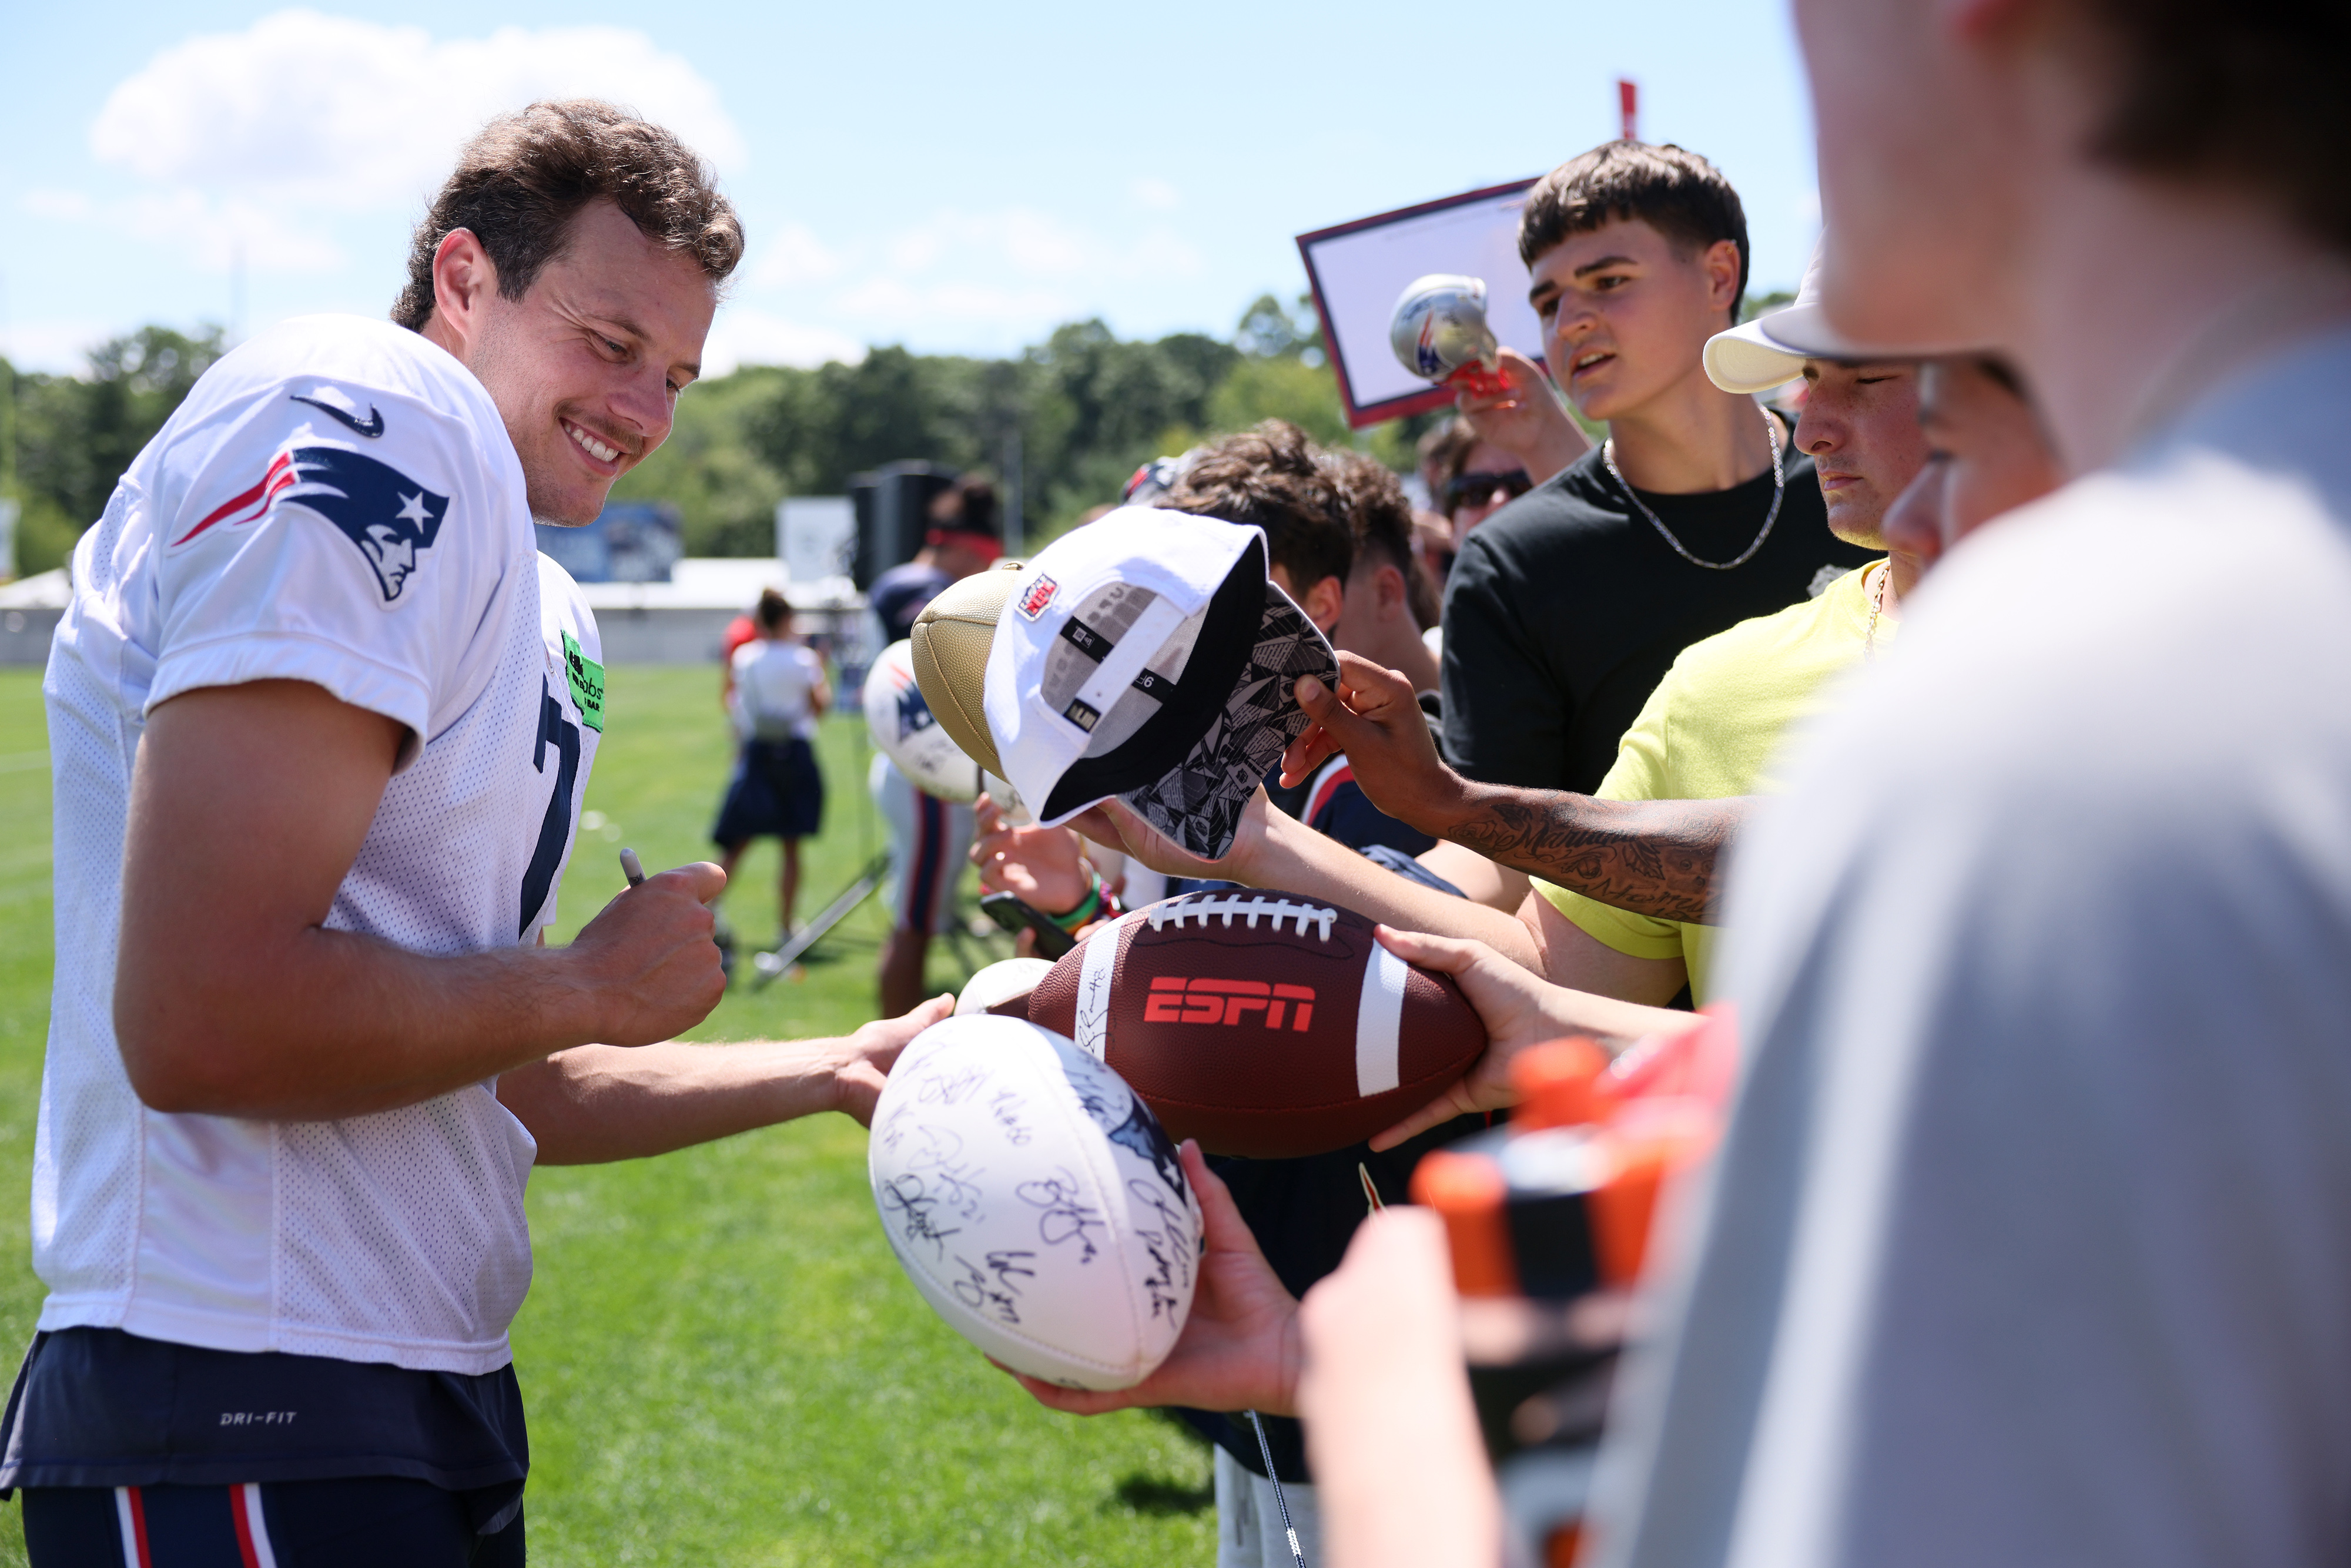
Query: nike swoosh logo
x,y
372,426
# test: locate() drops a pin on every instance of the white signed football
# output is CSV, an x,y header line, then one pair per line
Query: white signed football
x,y
1008,981
1035,1202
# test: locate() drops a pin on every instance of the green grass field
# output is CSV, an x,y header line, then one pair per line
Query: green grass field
x,y
722,1362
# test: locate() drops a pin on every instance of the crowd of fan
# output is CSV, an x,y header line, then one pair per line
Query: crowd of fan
x,y
1665,619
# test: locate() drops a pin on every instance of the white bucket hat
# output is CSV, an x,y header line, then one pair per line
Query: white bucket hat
x,y
1150,656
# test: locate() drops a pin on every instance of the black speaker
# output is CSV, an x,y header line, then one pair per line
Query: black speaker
x,y
892,505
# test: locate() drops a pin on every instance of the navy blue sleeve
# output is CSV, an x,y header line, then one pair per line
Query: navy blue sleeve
x,y
1350,817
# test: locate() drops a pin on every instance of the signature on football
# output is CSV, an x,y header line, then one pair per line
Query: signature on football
x,y
1064,1219
918,1214
989,1288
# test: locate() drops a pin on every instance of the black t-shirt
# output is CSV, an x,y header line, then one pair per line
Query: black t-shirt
x,y
1564,609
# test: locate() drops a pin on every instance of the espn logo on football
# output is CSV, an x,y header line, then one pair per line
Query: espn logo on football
x,y
1174,999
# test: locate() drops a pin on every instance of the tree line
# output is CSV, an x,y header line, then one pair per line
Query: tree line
x,y
1069,418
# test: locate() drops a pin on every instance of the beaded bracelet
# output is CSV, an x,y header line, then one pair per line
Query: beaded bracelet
x,y
1088,908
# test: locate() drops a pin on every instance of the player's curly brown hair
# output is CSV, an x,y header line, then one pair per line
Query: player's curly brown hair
x,y
519,185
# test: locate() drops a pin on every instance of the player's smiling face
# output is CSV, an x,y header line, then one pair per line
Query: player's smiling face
x,y
587,366
1626,312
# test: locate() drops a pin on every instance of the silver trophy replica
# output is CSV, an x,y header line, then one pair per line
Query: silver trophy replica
x,y
1439,334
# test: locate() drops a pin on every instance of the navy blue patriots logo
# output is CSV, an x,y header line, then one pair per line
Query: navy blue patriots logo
x,y
391,517
914,712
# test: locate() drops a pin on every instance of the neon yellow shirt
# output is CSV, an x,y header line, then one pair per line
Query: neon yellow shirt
x,y
1712,730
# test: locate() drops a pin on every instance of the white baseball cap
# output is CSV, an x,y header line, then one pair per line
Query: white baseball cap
x,y
1771,350
1150,656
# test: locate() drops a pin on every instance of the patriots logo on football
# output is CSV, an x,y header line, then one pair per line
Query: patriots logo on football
x,y
914,712
391,517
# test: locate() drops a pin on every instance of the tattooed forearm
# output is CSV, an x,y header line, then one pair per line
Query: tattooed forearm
x,y
1653,857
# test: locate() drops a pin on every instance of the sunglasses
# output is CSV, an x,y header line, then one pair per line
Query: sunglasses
x,y
1478,486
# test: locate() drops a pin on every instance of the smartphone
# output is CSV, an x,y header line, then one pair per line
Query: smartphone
x,y
1007,911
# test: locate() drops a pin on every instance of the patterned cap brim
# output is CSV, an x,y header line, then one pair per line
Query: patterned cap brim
x,y
1198,803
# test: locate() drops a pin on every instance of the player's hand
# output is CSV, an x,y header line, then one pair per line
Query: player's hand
x,y
1113,821
1527,421
1045,868
1376,718
1239,1348
1519,1006
872,1050
650,967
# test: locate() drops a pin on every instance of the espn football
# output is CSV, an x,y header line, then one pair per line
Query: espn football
x,y
1035,1202
1261,1023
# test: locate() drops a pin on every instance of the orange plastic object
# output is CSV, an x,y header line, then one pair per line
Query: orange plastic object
x,y
1674,1096
1468,1191
1555,1084
1559,1552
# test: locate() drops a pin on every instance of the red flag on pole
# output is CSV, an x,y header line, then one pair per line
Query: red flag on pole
x,y
1628,98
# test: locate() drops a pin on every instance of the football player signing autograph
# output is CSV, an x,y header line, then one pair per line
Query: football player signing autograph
x,y
322,718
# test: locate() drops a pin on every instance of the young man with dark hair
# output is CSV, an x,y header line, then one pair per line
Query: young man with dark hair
x,y
322,719
1565,607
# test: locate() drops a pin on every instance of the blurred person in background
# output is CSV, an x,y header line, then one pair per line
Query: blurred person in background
x,y
1524,427
1566,607
778,693
929,838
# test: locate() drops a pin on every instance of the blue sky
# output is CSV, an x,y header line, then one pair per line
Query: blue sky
x,y
954,179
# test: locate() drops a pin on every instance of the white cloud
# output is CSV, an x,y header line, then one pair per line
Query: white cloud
x,y
969,280
794,257
59,206
896,308
744,336
59,347
350,115
1153,194
205,231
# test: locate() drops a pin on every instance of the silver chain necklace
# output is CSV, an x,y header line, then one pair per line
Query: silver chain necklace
x,y
1779,491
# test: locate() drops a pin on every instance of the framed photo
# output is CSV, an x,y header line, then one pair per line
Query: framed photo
x,y
1358,270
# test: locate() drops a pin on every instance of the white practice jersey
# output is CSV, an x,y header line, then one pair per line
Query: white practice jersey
x,y
336,502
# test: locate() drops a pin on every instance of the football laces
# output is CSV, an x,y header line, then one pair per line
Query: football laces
x,y
1249,907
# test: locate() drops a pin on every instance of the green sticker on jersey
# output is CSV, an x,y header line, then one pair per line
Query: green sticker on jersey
x,y
586,677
